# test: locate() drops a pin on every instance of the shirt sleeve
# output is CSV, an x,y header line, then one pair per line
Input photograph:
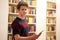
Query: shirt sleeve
x,y
15,27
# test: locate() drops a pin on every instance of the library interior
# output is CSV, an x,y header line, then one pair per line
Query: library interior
x,y
42,15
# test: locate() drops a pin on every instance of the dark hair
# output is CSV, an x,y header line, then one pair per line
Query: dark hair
x,y
21,3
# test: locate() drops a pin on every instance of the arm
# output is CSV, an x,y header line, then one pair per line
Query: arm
x,y
18,37
33,37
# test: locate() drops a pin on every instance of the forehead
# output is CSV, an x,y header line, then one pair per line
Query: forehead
x,y
23,7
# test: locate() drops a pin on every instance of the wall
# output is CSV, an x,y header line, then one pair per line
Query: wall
x,y
41,18
3,19
58,20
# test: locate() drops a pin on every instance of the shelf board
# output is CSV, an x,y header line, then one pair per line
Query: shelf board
x,y
13,4
9,33
51,32
51,24
16,14
13,14
51,9
51,16
32,23
32,6
28,23
51,1
30,14
9,22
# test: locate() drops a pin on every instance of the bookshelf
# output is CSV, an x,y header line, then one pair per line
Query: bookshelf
x,y
30,16
51,20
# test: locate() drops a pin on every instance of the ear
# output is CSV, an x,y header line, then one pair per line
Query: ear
x,y
17,11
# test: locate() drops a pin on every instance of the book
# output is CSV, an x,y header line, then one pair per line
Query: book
x,y
29,11
10,9
30,20
10,1
10,18
9,37
47,20
32,28
33,11
18,1
48,37
9,28
30,2
13,9
33,3
49,5
34,20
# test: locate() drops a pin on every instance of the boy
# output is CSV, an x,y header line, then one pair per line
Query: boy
x,y
20,25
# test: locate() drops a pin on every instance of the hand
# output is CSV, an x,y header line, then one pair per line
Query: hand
x,y
34,37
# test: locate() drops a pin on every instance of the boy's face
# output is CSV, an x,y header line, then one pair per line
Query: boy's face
x,y
23,11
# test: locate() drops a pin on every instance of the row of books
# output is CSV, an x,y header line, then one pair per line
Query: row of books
x,y
32,28
9,29
9,37
28,19
30,2
12,9
11,18
51,13
14,1
31,11
51,20
51,28
51,37
31,19
51,5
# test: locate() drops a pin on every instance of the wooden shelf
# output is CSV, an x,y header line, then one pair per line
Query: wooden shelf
x,y
10,23
31,15
51,1
51,19
51,16
28,23
51,24
16,14
13,4
51,9
13,14
32,6
32,23
51,32
9,33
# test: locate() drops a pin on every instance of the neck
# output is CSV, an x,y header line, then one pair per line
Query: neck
x,y
22,17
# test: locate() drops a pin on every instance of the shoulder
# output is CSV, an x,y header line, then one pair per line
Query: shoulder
x,y
17,20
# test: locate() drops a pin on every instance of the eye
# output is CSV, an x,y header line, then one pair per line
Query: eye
x,y
22,9
25,9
